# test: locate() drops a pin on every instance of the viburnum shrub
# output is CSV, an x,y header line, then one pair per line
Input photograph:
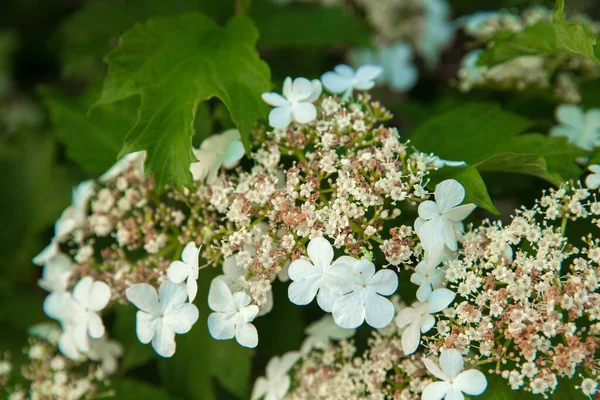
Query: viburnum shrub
x,y
338,223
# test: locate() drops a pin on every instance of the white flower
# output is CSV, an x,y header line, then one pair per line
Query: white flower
x,y
320,278
344,79
135,160
440,163
187,269
47,331
442,218
592,181
418,318
295,104
162,316
323,331
106,351
455,381
582,129
277,382
222,150
56,273
48,253
364,302
428,277
469,71
232,316
437,31
78,315
399,71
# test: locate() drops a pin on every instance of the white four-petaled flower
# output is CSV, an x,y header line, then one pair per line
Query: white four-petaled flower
x,y
233,315
277,382
107,352
417,319
78,315
56,273
343,79
186,270
323,331
162,315
592,181
428,277
216,151
319,278
581,128
363,300
454,381
295,104
441,220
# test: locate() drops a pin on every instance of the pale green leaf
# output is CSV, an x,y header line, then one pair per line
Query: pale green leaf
x,y
174,63
573,38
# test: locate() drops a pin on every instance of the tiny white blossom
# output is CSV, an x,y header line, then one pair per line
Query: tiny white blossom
x,y
322,332
277,382
295,104
56,273
319,278
428,277
233,315
162,315
592,181
135,160
186,270
582,129
107,352
363,300
419,319
343,79
455,381
442,219
78,315
216,151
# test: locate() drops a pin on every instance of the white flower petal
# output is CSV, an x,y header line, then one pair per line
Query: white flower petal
x,y
99,296
439,300
189,255
171,296
274,99
145,326
280,117
192,288
164,341
407,316
344,70
428,210
349,310
302,292
571,115
301,89
82,289
320,253
384,282
459,213
411,338
336,83
178,271
58,306
452,363
144,297
304,112
220,326
435,391
246,335
287,87
434,369
316,89
424,291
95,325
261,387
366,75
49,251
219,296
379,311
448,194
182,318
427,322
592,181
233,153
326,298
472,382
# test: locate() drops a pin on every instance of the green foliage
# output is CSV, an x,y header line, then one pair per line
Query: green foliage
x,y
174,63
490,140
93,140
556,38
129,389
94,30
307,25
190,373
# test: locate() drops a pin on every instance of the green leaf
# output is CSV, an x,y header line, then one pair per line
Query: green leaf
x,y
573,38
491,139
94,30
308,25
93,141
174,63
199,358
470,178
130,389
556,38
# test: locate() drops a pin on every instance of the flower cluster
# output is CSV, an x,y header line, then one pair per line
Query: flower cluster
x,y
528,296
559,77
